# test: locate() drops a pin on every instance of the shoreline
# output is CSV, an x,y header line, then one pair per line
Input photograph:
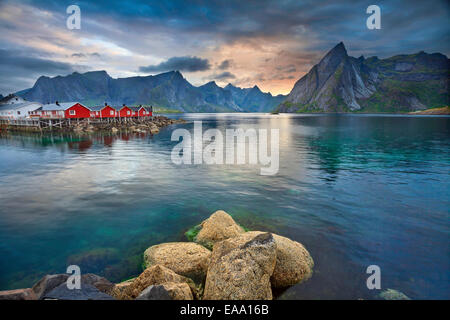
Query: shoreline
x,y
143,125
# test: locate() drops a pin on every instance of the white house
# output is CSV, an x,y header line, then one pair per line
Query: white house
x,y
17,111
12,99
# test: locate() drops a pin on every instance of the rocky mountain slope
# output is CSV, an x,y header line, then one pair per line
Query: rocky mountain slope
x,y
340,83
167,90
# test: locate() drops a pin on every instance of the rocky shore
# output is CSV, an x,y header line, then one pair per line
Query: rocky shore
x,y
221,261
150,125
433,111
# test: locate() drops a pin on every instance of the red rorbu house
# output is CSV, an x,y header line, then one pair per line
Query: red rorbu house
x,y
140,111
68,110
147,111
104,112
125,112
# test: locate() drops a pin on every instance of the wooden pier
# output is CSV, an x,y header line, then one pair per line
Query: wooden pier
x,y
48,123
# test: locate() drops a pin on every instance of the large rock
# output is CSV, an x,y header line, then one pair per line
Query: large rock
x,y
219,226
167,291
154,292
18,294
86,292
294,263
241,267
48,283
155,275
102,284
185,258
391,294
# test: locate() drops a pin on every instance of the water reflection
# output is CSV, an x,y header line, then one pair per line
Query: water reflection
x,y
356,190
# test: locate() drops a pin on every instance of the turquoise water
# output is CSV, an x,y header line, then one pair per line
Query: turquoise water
x,y
356,190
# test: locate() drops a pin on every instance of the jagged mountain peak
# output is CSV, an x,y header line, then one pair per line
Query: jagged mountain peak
x,y
210,84
340,83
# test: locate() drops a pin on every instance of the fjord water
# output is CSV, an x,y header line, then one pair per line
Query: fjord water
x,y
356,190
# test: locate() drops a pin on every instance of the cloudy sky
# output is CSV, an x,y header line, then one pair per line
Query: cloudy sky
x,y
267,43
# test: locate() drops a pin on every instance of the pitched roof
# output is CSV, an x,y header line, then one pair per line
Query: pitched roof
x,y
99,108
135,108
15,106
60,106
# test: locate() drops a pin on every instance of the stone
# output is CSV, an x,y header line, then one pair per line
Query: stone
x,y
154,129
102,284
86,292
154,292
48,283
119,288
167,291
294,263
185,258
154,275
391,294
240,268
219,226
18,294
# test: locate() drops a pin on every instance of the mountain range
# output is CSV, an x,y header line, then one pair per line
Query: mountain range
x,y
340,83
168,90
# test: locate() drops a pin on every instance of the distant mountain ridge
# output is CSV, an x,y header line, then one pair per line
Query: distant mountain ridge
x,y
167,90
340,83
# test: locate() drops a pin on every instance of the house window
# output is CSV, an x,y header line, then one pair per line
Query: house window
x,y
128,112
111,113
72,112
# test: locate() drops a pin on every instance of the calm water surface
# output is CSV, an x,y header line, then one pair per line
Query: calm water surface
x,y
356,190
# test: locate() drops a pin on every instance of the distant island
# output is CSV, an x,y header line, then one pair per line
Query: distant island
x,y
338,83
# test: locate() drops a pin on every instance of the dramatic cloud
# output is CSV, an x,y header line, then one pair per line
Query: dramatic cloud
x,y
225,64
270,43
224,76
189,64
17,67
84,55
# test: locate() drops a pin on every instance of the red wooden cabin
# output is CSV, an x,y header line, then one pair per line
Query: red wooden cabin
x,y
125,112
105,111
69,110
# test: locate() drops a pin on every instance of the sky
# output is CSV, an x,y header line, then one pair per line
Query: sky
x,y
270,44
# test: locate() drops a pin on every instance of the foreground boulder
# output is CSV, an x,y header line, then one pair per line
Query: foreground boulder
x,y
155,275
120,288
185,258
52,281
19,294
86,292
241,267
391,294
219,226
101,283
294,263
167,291
48,283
